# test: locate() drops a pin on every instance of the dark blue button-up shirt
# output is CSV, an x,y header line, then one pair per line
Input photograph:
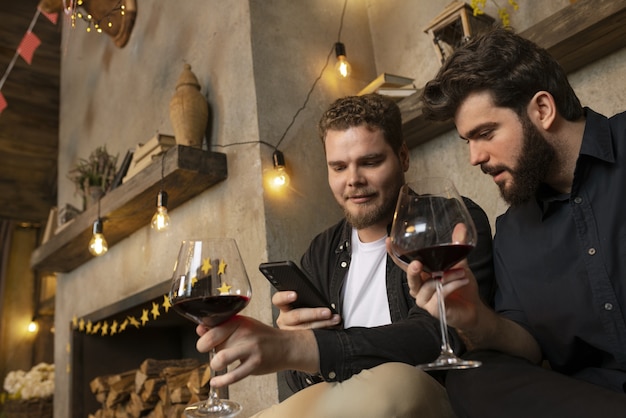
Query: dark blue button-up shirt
x,y
560,261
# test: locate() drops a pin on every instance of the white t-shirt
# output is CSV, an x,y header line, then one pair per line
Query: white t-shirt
x,y
365,302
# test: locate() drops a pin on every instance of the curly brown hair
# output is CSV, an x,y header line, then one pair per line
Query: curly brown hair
x,y
372,110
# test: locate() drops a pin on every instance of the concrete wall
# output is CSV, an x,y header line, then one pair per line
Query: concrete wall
x,y
256,61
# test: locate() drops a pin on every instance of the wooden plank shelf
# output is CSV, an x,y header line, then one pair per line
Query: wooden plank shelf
x,y
577,35
186,172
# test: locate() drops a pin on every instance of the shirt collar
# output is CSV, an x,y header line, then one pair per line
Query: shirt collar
x,y
596,143
597,140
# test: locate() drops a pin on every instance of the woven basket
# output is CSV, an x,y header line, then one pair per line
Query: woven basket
x,y
31,408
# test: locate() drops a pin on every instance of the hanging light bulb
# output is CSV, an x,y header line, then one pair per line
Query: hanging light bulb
x,y
278,177
161,220
32,326
98,245
342,66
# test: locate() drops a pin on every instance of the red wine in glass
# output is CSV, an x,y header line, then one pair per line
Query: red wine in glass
x,y
209,286
211,310
438,257
431,224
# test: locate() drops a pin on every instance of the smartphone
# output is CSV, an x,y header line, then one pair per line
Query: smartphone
x,y
286,275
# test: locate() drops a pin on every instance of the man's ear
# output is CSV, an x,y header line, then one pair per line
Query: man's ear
x,y
542,110
404,157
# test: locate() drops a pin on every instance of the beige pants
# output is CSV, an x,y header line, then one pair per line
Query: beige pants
x,y
387,391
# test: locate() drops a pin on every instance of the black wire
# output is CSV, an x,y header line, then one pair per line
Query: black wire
x,y
308,96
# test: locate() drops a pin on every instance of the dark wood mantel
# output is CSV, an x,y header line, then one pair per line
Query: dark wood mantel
x,y
186,172
577,35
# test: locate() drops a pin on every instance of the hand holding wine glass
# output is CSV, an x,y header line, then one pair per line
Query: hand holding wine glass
x,y
432,224
209,286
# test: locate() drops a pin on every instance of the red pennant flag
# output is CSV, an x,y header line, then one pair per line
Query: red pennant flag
x,y
3,102
27,47
52,17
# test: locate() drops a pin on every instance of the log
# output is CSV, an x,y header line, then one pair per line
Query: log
x,y
153,368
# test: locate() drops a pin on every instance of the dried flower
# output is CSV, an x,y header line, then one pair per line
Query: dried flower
x,y
98,170
38,382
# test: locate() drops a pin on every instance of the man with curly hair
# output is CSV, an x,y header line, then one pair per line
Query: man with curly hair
x,y
361,362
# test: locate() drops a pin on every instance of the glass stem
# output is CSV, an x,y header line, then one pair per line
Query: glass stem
x,y
213,402
443,322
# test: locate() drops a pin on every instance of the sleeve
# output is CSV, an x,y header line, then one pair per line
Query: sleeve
x,y
414,340
481,258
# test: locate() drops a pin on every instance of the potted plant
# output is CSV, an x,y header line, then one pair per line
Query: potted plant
x,y
93,176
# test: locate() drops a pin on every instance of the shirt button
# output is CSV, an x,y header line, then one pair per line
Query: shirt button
x,y
591,251
332,375
608,306
578,199
332,305
344,264
308,381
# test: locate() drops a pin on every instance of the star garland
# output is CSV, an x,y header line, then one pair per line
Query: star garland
x,y
151,311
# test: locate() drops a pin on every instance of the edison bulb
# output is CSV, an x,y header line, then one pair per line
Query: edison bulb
x,y
32,327
161,219
343,67
98,244
279,178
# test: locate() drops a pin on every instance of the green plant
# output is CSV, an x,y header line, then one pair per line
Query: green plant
x,y
97,170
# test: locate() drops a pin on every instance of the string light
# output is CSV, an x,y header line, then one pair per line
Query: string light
x,y
33,326
277,178
161,219
72,9
342,66
98,244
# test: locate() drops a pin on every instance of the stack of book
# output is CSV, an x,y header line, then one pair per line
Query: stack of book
x,y
391,85
146,153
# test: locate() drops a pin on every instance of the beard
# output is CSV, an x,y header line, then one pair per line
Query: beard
x,y
532,166
373,213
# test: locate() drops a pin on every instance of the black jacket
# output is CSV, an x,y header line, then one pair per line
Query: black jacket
x,y
413,337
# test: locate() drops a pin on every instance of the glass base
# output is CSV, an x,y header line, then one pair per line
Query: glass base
x,y
225,409
448,361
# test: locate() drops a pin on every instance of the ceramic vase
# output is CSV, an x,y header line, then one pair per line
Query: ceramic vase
x,y
189,110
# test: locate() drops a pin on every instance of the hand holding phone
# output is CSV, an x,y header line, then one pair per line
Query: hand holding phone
x,y
286,275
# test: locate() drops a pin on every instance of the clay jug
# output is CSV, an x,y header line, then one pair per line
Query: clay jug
x,y
189,110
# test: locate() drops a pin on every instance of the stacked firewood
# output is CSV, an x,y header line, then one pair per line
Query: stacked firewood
x,y
157,389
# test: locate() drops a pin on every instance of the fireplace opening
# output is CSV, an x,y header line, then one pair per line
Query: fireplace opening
x,y
117,346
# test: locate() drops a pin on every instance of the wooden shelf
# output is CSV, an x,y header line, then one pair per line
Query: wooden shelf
x,y
577,35
186,171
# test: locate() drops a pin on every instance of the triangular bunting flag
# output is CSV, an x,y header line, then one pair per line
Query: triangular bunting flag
x,y
3,102
52,17
27,47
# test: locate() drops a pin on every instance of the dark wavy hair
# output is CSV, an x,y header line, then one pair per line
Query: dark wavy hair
x,y
372,110
508,66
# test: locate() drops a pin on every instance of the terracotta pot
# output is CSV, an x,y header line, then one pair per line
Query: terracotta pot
x,y
189,110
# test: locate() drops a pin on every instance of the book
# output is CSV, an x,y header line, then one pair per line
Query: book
x,y
143,150
386,80
117,180
145,154
397,93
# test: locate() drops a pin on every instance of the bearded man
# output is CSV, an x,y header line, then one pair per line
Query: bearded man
x,y
555,345
361,362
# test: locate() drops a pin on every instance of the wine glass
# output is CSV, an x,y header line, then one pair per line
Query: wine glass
x,y
432,224
209,286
